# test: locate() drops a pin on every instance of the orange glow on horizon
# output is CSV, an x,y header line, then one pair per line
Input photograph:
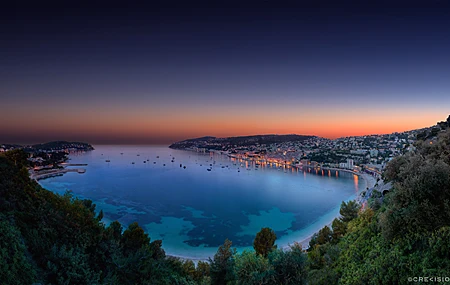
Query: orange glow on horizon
x,y
179,124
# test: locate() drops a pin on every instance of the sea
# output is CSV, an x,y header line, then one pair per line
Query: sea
x,y
174,197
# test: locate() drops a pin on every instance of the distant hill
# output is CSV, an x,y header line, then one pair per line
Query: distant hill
x,y
62,145
49,146
211,142
52,146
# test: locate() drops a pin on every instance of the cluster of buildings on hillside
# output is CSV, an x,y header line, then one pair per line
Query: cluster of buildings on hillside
x,y
51,147
370,153
7,147
49,154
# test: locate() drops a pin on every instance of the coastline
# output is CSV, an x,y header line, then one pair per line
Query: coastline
x,y
370,182
300,238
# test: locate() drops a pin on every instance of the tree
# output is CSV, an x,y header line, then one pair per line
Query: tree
x,y
349,211
251,269
18,156
288,267
134,238
265,241
202,271
222,264
114,231
322,237
339,229
15,268
419,201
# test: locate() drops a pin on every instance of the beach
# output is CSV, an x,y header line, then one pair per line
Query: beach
x,y
182,206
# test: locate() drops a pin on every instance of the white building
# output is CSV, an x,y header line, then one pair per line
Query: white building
x,y
350,163
347,165
358,151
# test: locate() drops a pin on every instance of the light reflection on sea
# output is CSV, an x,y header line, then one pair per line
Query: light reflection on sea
x,y
194,210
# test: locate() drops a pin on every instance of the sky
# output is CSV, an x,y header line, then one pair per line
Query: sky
x,y
163,71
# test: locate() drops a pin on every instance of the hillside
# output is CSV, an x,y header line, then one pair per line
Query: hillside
x,y
396,238
241,141
61,145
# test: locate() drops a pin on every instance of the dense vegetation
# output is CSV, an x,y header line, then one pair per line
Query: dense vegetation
x,y
53,239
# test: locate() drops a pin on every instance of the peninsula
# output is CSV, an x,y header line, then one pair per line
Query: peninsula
x,y
47,159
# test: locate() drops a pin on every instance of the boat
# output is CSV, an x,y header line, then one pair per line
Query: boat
x,y
184,167
132,163
157,156
145,161
154,162
138,155
121,153
108,160
209,169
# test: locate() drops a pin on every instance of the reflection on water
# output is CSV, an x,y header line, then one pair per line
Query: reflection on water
x,y
174,196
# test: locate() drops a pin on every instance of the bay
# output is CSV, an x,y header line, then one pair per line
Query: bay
x,y
173,196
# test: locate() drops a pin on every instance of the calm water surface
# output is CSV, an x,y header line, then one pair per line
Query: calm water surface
x,y
194,210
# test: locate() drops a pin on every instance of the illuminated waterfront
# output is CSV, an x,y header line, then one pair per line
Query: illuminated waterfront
x,y
173,196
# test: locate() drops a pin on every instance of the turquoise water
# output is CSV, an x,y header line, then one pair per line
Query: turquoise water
x,y
194,210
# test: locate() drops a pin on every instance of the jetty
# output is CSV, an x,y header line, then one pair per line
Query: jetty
x,y
38,175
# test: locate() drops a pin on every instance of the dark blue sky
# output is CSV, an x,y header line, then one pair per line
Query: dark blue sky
x,y
162,71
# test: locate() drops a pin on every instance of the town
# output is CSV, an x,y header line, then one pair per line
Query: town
x,y
368,153
48,159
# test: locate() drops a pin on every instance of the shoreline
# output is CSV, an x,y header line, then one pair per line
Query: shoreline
x,y
370,182
302,240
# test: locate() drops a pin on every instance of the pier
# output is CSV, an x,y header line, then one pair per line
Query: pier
x,y
54,172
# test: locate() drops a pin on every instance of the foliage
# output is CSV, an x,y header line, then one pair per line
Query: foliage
x,y
339,229
15,267
221,267
18,156
251,268
70,266
288,267
134,238
420,199
265,241
349,211
407,235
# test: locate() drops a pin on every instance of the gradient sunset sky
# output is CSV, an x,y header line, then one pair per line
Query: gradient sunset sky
x,y
165,71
